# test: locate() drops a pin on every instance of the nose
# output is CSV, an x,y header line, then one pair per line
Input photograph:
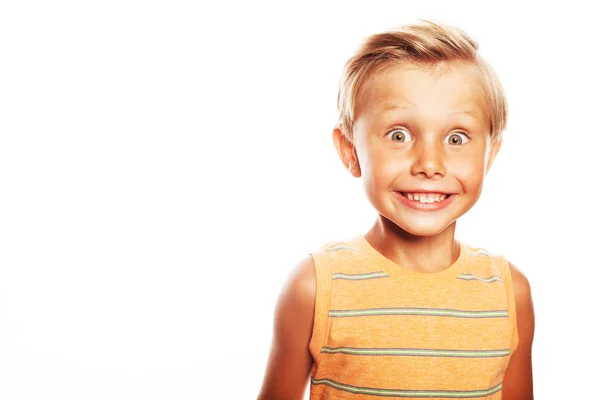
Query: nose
x,y
428,159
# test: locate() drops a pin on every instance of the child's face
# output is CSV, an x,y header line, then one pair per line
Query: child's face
x,y
422,132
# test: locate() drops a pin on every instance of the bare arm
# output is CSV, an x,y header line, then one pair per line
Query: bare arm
x,y
290,361
518,380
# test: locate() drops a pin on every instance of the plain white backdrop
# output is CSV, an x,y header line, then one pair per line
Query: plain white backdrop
x,y
164,165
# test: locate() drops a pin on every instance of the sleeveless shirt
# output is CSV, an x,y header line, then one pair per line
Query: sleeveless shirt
x,y
381,330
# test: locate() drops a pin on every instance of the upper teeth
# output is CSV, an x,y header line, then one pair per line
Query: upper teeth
x,y
426,197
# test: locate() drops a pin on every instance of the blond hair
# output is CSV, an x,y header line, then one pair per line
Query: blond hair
x,y
427,44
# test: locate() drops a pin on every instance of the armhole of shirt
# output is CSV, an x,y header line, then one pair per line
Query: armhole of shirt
x,y
322,304
512,310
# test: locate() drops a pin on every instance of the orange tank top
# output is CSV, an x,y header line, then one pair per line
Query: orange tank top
x,y
381,330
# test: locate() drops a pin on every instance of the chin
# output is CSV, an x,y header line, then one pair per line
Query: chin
x,y
425,231
424,228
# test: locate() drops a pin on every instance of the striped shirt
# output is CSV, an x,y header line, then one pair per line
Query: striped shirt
x,y
381,330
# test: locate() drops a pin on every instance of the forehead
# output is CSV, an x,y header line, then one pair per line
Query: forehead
x,y
441,90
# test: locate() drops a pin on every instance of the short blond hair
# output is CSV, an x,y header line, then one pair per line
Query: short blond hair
x,y
425,43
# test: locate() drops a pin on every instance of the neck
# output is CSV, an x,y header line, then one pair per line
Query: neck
x,y
418,253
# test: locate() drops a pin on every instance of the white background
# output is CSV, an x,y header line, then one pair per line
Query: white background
x,y
164,165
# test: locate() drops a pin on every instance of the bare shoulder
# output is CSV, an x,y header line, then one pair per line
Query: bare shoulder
x,y
290,360
518,379
301,284
523,303
520,282
294,313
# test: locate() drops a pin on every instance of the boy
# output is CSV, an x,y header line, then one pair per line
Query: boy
x,y
407,311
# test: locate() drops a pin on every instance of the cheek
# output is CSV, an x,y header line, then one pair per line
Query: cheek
x,y
383,165
470,173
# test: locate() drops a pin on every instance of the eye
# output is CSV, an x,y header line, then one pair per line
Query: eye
x,y
399,135
457,138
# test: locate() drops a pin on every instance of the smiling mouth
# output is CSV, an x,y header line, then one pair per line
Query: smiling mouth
x,y
426,197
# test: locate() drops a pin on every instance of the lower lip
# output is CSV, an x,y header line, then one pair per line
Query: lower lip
x,y
417,205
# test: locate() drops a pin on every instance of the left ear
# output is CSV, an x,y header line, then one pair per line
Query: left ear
x,y
493,152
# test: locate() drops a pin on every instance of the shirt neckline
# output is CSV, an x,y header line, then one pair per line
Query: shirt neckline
x,y
399,272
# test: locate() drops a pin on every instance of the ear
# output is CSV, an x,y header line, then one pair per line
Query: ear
x,y
346,151
494,149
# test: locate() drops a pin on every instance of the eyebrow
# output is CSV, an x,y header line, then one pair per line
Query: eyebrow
x,y
391,107
466,112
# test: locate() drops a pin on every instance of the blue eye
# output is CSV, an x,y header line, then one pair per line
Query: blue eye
x,y
400,135
457,139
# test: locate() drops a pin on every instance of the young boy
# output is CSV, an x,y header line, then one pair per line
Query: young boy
x,y
405,310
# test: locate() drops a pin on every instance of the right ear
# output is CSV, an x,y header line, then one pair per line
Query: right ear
x,y
346,151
